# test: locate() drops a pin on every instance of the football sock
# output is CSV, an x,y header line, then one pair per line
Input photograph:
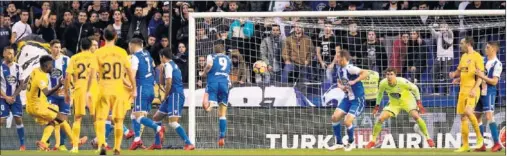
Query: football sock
x,y
464,133
20,129
422,126
337,130
223,126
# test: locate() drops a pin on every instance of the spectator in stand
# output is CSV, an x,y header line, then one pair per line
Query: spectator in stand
x,y
417,53
298,6
327,47
139,24
240,33
257,6
223,39
445,52
333,6
424,20
233,6
204,45
219,7
271,53
104,20
5,33
239,71
181,23
395,5
166,6
477,5
155,21
113,6
7,22
201,64
21,28
374,54
154,54
94,20
444,5
95,6
13,13
68,20
163,29
75,32
397,57
38,15
181,59
76,7
297,52
164,43
47,29
352,41
120,28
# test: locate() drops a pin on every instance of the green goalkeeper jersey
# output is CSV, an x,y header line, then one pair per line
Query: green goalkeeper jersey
x,y
403,90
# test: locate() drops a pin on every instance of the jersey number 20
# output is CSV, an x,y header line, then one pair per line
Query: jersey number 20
x,y
111,71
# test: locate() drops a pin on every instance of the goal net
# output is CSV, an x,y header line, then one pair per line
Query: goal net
x,y
290,105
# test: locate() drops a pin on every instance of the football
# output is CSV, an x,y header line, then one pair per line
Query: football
x,y
260,67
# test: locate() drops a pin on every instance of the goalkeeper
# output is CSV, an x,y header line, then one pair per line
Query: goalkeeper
x,y
401,96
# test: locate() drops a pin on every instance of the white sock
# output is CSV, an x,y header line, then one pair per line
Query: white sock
x,y
137,138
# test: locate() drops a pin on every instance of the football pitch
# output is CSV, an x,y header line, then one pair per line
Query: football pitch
x,y
390,152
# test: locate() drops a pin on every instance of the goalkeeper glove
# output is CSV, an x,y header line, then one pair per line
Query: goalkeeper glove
x,y
377,107
421,107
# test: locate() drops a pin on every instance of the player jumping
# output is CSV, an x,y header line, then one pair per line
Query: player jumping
x,y
469,91
349,80
401,94
10,101
113,62
488,95
142,68
217,70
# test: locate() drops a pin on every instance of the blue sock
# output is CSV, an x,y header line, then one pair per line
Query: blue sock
x,y
63,136
337,129
157,137
494,131
137,128
109,129
21,134
222,122
350,133
148,123
482,128
181,133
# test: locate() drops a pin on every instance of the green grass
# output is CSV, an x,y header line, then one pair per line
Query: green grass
x,y
390,152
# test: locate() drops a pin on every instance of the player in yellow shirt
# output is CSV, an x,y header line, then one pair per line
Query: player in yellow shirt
x,y
38,105
82,69
469,92
113,63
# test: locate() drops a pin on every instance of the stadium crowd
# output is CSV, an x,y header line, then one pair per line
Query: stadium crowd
x,y
287,49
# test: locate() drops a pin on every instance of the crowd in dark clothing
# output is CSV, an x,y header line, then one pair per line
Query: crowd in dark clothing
x,y
165,24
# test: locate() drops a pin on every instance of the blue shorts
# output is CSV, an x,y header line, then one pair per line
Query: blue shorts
x,y
145,97
173,104
63,107
486,103
218,92
16,108
354,107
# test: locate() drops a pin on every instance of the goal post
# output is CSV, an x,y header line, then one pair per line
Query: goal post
x,y
318,116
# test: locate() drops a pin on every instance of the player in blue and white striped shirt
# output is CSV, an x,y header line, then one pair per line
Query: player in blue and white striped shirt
x,y
58,98
486,103
10,100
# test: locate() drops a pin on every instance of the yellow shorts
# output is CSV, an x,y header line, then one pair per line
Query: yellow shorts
x,y
79,100
395,107
113,103
43,113
464,100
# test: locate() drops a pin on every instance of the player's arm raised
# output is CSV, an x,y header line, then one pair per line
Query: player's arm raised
x,y
380,95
